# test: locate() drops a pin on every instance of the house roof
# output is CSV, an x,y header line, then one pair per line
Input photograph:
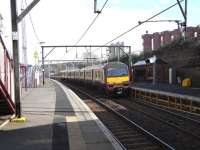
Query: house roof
x,y
150,60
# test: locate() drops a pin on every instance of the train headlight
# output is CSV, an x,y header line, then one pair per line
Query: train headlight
x,y
110,85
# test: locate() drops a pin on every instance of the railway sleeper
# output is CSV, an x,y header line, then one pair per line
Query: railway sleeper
x,y
128,131
131,140
113,121
149,148
130,137
118,126
134,135
138,145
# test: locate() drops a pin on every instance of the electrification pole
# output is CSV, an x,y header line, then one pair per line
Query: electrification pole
x,y
24,47
185,16
184,13
42,65
95,7
15,57
15,19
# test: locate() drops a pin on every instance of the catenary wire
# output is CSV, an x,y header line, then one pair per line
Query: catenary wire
x,y
129,30
90,25
93,21
32,24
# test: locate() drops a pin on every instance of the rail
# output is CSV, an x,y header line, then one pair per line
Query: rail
x,y
130,122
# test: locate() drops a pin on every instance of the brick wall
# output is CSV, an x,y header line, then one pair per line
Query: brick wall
x,y
190,32
147,42
156,40
176,34
166,37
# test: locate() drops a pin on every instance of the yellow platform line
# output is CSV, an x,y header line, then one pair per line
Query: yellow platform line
x,y
19,119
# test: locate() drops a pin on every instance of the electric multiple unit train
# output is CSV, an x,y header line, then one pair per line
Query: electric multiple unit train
x,y
113,77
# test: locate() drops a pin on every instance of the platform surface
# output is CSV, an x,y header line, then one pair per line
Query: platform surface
x,y
57,120
168,88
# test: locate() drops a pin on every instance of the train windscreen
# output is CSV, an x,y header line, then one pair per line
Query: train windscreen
x,y
117,72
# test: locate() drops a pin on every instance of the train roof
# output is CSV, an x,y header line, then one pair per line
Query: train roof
x,y
99,66
104,65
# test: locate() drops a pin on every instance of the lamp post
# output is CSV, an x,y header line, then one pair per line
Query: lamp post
x,y
41,43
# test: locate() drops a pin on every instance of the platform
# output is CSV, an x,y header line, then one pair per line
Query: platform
x,y
57,119
187,99
169,88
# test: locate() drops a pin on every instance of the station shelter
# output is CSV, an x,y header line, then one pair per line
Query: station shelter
x,y
151,70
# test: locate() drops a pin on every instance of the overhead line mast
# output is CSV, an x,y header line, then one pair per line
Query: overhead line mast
x,y
15,19
95,8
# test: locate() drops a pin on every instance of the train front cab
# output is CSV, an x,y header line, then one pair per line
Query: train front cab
x,y
117,79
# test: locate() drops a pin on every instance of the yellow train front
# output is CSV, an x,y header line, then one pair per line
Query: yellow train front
x,y
116,78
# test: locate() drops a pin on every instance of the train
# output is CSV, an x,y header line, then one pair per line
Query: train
x,y
112,77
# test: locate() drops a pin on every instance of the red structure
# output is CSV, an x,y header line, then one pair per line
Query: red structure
x,y
156,40
176,34
6,81
190,32
147,42
166,37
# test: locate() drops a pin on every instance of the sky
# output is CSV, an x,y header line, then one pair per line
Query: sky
x,y
62,22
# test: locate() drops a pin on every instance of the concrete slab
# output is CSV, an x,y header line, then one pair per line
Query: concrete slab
x,y
93,133
45,129
57,120
170,88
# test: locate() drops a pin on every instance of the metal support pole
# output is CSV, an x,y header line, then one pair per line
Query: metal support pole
x,y
49,69
118,53
95,6
184,13
154,73
130,58
42,65
185,16
130,65
15,57
26,67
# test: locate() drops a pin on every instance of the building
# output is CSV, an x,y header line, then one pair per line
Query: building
x,y
156,40
165,37
116,51
151,70
147,42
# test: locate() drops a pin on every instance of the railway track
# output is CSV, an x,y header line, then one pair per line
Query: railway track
x,y
175,128
129,134
178,113
184,124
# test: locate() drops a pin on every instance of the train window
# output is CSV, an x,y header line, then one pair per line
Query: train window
x,y
99,77
117,71
88,74
97,74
